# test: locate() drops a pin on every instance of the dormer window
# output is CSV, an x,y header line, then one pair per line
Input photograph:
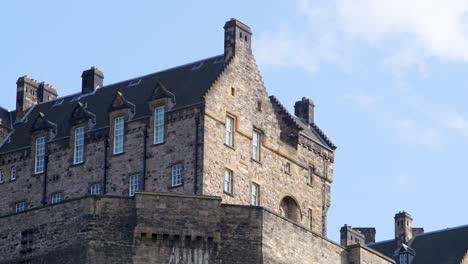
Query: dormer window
x,y
159,116
78,156
40,155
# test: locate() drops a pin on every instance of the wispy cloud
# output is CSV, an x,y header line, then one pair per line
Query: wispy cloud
x,y
454,120
412,31
409,132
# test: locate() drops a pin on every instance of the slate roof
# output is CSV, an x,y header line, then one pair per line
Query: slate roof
x,y
188,83
439,247
5,118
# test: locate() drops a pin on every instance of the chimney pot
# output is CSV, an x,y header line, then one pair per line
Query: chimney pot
x,y
304,109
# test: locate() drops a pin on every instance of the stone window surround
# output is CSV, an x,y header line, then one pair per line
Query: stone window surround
x,y
153,105
258,194
258,156
13,173
231,187
175,172
93,185
155,124
56,197
35,151
133,184
20,206
73,137
233,118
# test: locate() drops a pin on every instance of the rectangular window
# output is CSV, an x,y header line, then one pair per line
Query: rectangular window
x,y
254,194
159,125
229,131
13,173
177,174
403,259
20,207
2,179
40,154
287,168
119,135
310,218
256,142
134,185
57,198
310,177
95,188
228,181
79,145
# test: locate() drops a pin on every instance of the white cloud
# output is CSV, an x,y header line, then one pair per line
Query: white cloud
x,y
413,30
454,120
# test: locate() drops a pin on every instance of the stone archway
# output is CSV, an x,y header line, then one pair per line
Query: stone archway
x,y
290,209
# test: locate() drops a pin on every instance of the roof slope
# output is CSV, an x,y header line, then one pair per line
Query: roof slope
x,y
187,82
439,247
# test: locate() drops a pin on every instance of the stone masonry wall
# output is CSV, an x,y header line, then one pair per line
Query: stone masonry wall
x,y
242,75
286,242
164,228
361,254
75,180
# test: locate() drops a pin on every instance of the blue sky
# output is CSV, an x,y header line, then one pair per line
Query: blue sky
x,y
388,79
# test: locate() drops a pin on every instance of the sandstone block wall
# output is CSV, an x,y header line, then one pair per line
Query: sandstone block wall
x,y
361,254
242,75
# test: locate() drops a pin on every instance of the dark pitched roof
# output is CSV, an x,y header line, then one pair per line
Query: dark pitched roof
x,y
5,118
439,247
187,82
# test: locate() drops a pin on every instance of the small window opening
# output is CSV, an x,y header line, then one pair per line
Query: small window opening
x,y
233,91
240,35
259,106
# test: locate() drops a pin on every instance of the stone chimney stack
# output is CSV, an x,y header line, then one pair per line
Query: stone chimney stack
x,y
350,236
46,92
26,95
403,228
305,109
237,39
91,80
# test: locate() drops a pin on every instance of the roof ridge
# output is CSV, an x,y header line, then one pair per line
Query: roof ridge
x,y
441,230
283,108
171,68
322,134
381,242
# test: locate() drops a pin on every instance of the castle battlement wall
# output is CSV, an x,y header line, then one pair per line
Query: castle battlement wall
x,y
159,228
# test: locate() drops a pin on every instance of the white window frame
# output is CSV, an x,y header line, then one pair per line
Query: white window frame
x,y
256,145
95,189
2,178
119,131
254,194
403,259
20,207
40,155
228,180
177,174
229,131
13,173
56,198
78,156
133,185
159,119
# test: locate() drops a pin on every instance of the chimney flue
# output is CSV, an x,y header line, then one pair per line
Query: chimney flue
x,y
91,80
237,39
403,227
304,109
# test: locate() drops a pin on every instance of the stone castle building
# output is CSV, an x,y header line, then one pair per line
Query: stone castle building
x,y
193,164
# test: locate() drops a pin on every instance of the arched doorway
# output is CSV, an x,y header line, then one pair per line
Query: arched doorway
x,y
290,209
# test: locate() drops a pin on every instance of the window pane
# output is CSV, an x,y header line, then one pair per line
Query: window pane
x,y
79,145
19,207
228,181
134,185
229,131
256,146
118,135
159,125
13,174
96,188
40,153
177,174
56,198
254,194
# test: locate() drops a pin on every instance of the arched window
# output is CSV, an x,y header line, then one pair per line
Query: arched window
x,y
290,209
